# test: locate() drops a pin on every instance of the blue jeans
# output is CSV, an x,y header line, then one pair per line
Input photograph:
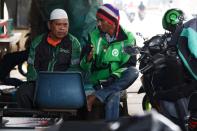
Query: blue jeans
x,y
111,95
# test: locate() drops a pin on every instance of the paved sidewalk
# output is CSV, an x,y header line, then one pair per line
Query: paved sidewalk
x,y
134,100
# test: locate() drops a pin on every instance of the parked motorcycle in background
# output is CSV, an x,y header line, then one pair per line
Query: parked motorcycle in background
x,y
141,11
165,82
192,122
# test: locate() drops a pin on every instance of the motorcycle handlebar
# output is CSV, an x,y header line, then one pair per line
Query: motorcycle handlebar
x,y
146,68
157,62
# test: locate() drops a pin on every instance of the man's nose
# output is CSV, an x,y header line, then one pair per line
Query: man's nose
x,y
98,23
62,27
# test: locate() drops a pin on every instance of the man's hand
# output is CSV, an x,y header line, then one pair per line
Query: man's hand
x,y
109,81
87,51
90,55
90,101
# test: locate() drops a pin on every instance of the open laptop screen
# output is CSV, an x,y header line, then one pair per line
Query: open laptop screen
x,y
59,90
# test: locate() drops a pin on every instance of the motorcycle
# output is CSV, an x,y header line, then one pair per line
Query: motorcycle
x,y
141,14
192,107
165,82
141,11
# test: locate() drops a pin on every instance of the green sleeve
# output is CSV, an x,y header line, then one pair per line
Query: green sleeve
x,y
86,66
31,71
76,52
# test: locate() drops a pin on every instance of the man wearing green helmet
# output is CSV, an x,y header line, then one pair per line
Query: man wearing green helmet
x,y
179,33
171,79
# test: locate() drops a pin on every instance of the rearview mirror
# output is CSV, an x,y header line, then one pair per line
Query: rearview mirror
x,y
132,50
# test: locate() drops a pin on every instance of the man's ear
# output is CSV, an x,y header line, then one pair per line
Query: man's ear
x,y
49,25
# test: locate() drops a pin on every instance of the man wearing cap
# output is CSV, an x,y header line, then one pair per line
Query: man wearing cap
x,y
111,69
56,50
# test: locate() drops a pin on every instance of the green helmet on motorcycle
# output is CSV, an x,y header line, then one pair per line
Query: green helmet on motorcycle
x,y
172,18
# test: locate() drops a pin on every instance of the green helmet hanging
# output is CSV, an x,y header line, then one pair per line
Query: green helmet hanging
x,y
172,18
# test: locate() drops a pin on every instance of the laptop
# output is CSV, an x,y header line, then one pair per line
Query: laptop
x,y
59,90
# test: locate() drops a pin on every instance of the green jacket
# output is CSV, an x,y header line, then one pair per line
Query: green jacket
x,y
44,57
108,58
186,40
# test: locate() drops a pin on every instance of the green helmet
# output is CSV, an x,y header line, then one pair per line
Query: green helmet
x,y
172,18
